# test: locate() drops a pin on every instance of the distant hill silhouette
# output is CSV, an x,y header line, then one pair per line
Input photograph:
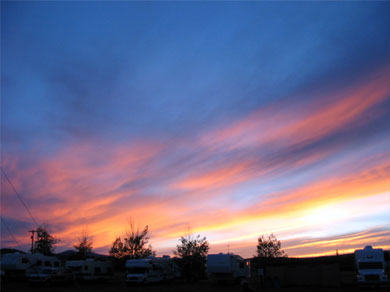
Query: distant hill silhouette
x,y
10,250
345,261
65,255
72,255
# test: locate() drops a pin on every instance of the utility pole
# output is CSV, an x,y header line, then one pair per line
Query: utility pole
x,y
32,240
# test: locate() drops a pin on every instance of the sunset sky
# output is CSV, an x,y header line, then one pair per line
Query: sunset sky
x,y
229,119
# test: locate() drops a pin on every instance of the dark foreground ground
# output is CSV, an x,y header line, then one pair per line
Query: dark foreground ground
x,y
174,286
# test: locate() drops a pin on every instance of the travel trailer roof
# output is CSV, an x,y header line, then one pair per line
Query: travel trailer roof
x,y
138,263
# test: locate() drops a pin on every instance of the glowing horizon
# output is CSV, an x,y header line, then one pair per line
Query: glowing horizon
x,y
232,135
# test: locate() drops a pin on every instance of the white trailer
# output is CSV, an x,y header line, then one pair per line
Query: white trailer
x,y
45,269
89,269
27,265
16,264
150,270
370,266
227,267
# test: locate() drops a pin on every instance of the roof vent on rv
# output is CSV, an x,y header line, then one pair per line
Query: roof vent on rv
x,y
368,247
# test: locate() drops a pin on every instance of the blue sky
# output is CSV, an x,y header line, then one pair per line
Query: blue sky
x,y
218,103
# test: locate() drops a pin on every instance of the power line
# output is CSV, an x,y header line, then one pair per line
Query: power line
x,y
19,197
32,265
10,232
13,236
32,217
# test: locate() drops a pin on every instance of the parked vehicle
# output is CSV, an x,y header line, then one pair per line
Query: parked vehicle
x,y
227,267
48,275
14,265
370,266
19,265
150,270
45,269
89,269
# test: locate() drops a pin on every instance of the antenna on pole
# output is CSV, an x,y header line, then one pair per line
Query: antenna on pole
x,y
32,240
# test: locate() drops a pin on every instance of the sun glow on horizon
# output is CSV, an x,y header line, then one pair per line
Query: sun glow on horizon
x,y
264,126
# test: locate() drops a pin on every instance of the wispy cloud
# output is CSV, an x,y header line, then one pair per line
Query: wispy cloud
x,y
266,173
234,121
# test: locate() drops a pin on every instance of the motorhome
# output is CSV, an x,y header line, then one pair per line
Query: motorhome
x,y
227,267
149,270
370,266
89,269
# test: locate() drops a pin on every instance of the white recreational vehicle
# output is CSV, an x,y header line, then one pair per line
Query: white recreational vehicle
x,y
89,269
149,270
370,266
19,264
45,269
227,267
35,267
16,264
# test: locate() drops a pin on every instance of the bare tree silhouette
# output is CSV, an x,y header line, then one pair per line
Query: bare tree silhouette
x,y
134,245
84,244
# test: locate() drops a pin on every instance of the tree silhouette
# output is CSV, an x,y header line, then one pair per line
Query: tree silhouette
x,y
193,252
269,247
84,245
134,245
118,249
44,242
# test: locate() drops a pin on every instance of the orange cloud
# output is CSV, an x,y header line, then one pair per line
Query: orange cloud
x,y
101,185
284,123
225,176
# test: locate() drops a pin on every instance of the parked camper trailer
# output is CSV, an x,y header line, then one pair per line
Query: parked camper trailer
x,y
150,270
45,269
89,269
227,267
35,267
370,266
16,264
47,275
